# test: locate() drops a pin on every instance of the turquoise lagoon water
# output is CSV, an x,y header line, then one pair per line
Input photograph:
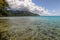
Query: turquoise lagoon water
x,y
33,28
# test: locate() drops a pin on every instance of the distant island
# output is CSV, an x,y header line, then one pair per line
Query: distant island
x,y
6,13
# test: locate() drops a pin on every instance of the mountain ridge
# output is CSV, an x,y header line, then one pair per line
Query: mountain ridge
x,y
5,13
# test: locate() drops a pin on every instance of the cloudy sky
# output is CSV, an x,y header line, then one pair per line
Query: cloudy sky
x,y
41,7
53,6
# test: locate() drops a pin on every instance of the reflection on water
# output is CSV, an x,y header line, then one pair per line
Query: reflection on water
x,y
30,28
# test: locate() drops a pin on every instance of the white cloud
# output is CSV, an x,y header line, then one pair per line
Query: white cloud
x,y
53,11
27,5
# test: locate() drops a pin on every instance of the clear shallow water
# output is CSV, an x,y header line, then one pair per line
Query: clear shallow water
x,y
32,28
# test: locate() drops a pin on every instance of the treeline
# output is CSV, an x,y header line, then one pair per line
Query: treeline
x,y
3,11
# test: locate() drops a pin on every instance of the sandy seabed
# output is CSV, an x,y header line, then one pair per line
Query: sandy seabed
x,y
28,28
